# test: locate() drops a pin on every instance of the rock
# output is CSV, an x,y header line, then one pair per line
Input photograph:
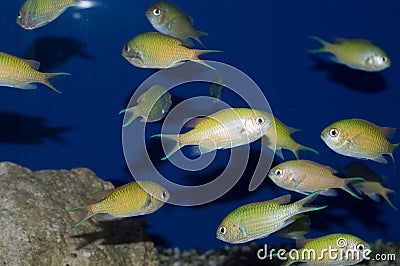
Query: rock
x,y
36,229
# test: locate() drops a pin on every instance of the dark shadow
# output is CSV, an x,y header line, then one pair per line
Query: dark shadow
x,y
358,80
116,232
359,169
18,128
52,52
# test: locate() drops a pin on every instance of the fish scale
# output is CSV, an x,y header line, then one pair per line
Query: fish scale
x,y
359,138
15,71
260,219
344,249
36,13
132,199
157,50
305,176
225,129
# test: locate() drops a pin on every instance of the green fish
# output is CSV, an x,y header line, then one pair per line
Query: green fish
x,y
225,129
132,199
152,105
356,54
20,73
260,219
359,139
280,138
157,50
305,176
37,13
168,19
332,250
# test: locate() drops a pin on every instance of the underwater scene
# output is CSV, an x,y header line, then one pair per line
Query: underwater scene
x,y
199,132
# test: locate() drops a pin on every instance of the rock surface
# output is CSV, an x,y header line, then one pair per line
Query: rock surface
x,y
36,230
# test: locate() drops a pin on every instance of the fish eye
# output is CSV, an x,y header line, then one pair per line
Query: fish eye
x,y
260,120
156,12
360,247
164,195
384,59
127,48
333,132
222,230
19,15
278,172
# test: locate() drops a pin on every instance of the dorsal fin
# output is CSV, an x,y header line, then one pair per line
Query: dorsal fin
x,y
100,195
302,242
191,123
33,64
281,200
292,130
186,43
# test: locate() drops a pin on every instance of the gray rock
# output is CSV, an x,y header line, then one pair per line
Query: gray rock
x,y
36,229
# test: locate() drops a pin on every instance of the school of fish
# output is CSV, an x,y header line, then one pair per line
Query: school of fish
x,y
170,47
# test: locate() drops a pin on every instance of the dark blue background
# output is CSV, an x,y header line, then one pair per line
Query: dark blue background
x,y
266,39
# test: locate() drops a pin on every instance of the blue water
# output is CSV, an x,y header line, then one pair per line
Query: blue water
x,y
41,129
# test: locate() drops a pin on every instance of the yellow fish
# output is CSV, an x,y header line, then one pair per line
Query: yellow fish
x,y
38,13
156,50
167,18
132,199
332,250
360,139
152,105
20,73
280,139
305,176
225,129
260,219
356,54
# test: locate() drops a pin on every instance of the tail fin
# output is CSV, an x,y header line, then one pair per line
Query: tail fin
x,y
197,53
174,138
391,155
346,188
324,47
301,203
84,211
132,117
198,35
52,75
303,148
385,196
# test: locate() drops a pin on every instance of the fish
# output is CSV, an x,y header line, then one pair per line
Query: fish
x,y
260,219
372,186
224,129
132,199
159,51
355,53
152,105
359,139
373,190
333,250
305,176
37,13
20,73
169,19
279,138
